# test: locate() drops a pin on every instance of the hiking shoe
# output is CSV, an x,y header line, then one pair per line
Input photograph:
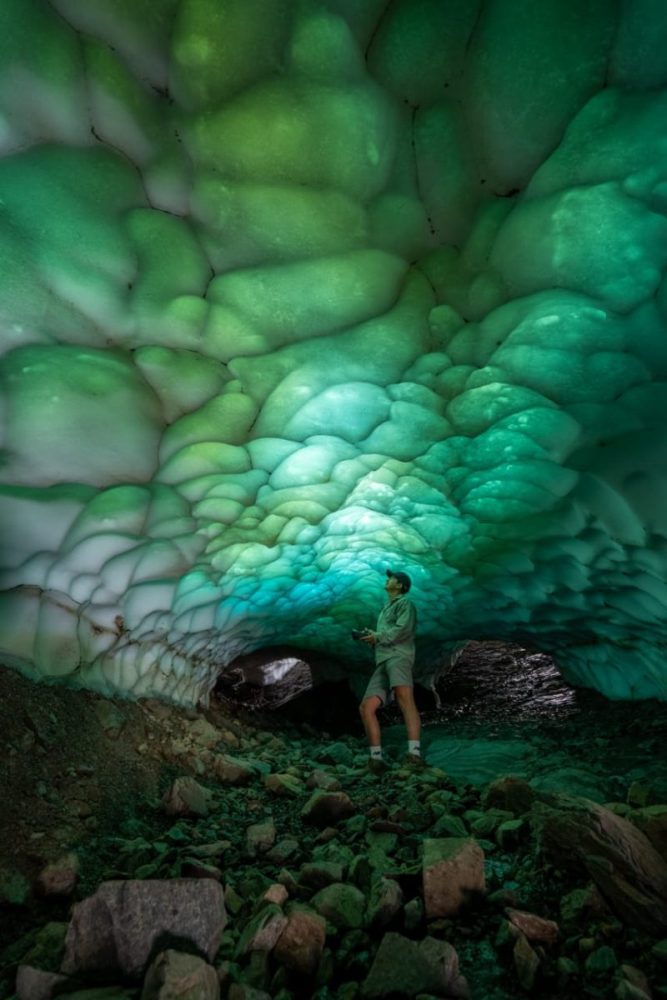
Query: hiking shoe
x,y
414,760
377,766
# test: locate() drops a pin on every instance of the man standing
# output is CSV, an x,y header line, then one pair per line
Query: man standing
x,y
394,642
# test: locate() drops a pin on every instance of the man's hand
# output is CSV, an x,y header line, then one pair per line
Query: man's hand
x,y
369,637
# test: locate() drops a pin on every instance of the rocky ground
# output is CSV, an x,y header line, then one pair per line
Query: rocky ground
x,y
129,829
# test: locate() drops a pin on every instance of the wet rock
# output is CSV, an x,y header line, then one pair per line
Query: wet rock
x,y
277,894
59,878
578,779
628,991
203,733
402,968
231,771
260,837
511,793
453,868
213,850
535,929
511,833
444,958
640,794
526,963
301,943
262,931
117,927
581,905
324,781
652,821
285,849
343,905
327,808
413,914
449,826
285,785
233,902
14,887
386,901
186,797
487,824
336,753
633,985
36,984
175,974
620,859
601,960
193,868
318,874
48,947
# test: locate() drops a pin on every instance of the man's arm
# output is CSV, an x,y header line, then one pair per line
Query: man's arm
x,y
400,630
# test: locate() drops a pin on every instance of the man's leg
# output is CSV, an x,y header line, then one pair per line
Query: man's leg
x,y
368,710
406,702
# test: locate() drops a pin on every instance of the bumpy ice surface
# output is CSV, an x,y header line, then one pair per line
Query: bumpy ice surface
x,y
295,291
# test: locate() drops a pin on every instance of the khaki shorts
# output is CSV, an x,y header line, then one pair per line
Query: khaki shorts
x,y
388,675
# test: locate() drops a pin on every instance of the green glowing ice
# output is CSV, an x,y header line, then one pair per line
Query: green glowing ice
x,y
293,292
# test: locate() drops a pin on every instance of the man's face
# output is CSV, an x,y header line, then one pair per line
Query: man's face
x,y
393,588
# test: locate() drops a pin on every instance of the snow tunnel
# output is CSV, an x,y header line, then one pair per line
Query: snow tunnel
x,y
293,292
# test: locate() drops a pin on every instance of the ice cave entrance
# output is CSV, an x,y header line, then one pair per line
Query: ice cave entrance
x,y
489,679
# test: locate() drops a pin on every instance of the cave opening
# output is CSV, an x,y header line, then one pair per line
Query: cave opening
x,y
488,681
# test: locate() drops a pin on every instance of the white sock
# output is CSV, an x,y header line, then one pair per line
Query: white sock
x,y
414,747
376,753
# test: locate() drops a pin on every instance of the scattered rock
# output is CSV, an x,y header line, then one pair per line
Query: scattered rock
x,y
231,771
260,837
652,821
511,793
336,753
602,960
533,927
14,887
115,929
526,963
285,849
59,878
186,797
453,868
444,958
403,968
343,905
301,943
203,733
277,894
318,874
35,984
324,781
620,859
284,784
263,930
386,901
327,808
174,974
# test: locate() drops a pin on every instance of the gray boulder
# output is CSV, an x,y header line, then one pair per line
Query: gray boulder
x,y
117,927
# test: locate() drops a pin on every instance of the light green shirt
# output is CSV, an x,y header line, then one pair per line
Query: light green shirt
x,y
395,632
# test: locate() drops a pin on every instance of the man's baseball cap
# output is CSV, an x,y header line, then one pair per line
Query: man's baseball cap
x,y
402,578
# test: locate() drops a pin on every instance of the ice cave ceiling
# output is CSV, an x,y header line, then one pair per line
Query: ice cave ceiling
x,y
295,290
